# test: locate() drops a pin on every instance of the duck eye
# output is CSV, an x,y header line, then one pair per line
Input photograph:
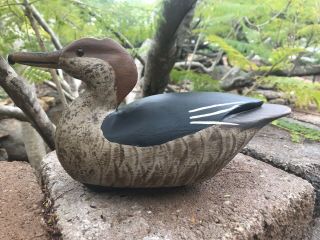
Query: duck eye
x,y
80,52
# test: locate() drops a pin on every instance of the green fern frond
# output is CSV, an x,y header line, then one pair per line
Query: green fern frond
x,y
307,31
281,58
235,57
36,75
249,48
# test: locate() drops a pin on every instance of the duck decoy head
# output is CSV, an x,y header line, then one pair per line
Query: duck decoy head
x,y
86,58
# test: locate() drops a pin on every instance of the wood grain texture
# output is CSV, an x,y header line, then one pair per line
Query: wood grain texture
x,y
90,158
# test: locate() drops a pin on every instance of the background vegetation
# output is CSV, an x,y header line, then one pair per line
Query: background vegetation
x,y
270,41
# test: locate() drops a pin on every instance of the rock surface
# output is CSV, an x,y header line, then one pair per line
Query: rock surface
x,y
235,83
231,78
278,101
274,146
270,94
316,229
303,123
20,203
247,200
3,154
309,118
12,141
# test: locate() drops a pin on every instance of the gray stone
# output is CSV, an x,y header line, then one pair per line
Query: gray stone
x,y
303,123
248,199
274,146
3,133
278,101
309,118
235,83
269,94
219,71
3,154
236,79
316,229
12,140
266,87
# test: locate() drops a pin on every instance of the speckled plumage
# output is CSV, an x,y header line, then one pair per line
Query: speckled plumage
x,y
90,158
110,74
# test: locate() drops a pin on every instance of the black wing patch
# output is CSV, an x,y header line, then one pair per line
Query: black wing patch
x,y
161,118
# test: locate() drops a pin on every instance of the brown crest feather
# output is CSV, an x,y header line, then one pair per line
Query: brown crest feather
x,y
112,52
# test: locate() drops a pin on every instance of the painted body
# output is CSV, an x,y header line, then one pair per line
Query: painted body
x,y
89,157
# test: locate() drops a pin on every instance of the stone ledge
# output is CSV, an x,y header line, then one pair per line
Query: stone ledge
x,y
274,146
247,200
308,118
316,229
20,203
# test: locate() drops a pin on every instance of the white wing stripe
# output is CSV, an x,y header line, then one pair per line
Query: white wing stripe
x,y
213,106
213,122
214,113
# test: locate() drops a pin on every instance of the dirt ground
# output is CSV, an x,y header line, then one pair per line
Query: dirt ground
x,y
20,203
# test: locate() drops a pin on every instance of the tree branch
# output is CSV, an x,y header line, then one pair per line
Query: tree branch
x,y
298,71
28,13
125,41
194,51
24,96
117,34
55,40
12,112
53,86
162,55
258,26
188,65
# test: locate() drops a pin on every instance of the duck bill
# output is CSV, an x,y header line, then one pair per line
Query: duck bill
x,y
37,59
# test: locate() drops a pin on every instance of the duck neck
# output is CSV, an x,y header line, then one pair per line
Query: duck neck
x,y
99,77
105,100
97,96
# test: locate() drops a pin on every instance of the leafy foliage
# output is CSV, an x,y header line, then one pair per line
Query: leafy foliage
x,y
280,58
275,30
36,75
303,92
246,49
200,81
236,58
72,19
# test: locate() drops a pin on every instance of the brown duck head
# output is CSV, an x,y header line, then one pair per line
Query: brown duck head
x,y
73,58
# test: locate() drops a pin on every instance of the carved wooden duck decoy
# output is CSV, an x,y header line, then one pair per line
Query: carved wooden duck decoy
x,y
164,140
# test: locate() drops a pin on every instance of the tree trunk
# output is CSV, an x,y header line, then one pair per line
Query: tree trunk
x,y
176,15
